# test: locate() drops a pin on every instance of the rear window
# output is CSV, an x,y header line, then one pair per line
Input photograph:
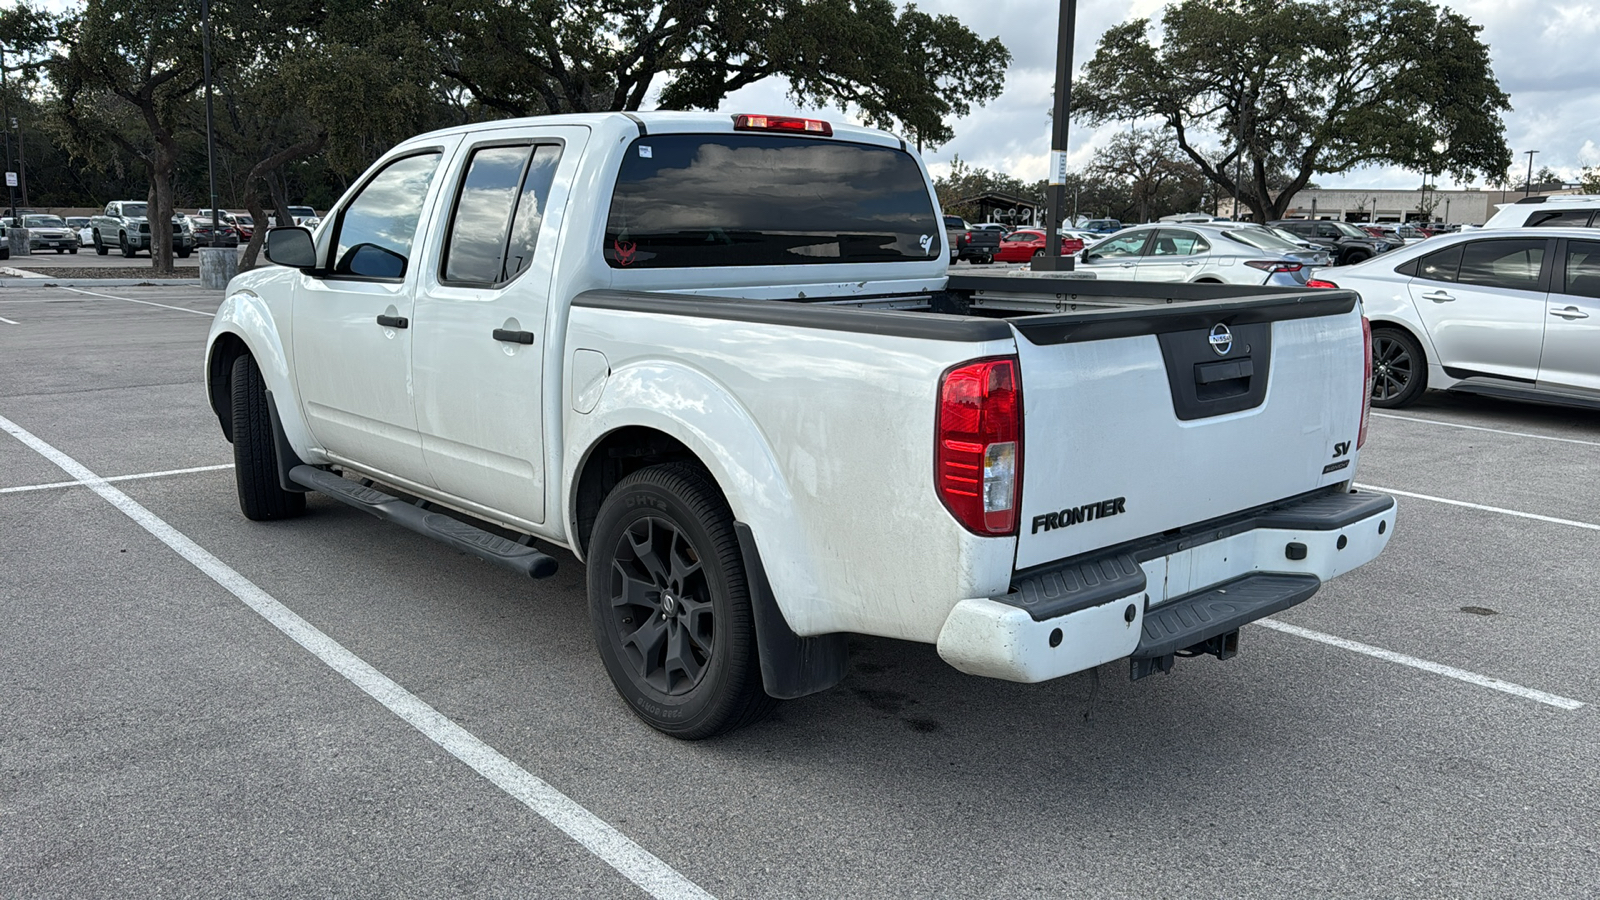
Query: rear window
x,y
1560,218
1261,239
691,200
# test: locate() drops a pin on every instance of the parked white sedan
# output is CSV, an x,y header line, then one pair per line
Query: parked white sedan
x,y
1510,313
1200,253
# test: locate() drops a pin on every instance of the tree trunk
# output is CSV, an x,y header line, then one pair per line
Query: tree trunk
x,y
258,235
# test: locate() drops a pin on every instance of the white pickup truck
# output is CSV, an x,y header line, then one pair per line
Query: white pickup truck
x,y
720,360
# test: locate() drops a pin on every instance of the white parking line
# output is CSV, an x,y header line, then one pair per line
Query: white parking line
x,y
1526,434
1494,509
66,484
197,312
1495,684
9,322
619,851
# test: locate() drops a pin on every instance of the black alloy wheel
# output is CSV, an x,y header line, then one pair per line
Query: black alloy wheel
x,y
99,248
671,606
1399,371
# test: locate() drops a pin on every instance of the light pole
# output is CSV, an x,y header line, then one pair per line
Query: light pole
x,y
1528,190
1053,261
211,136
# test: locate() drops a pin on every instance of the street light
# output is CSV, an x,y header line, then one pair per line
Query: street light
x,y
1053,260
1528,191
211,137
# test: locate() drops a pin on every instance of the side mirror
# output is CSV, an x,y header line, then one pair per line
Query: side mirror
x,y
291,246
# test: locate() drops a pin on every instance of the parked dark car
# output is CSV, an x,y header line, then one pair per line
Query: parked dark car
x,y
976,245
1103,226
1346,243
227,235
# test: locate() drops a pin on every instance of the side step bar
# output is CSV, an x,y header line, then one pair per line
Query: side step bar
x,y
482,544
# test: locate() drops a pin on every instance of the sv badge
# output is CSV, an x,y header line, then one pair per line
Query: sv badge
x,y
1340,449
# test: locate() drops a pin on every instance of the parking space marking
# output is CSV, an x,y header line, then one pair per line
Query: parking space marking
x,y
616,849
1526,434
1495,684
110,478
197,312
9,322
1494,509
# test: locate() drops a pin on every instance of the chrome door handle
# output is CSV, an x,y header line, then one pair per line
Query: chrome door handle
x,y
1571,312
1438,297
1191,262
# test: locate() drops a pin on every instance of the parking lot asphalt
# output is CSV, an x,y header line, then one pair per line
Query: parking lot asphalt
x,y
162,738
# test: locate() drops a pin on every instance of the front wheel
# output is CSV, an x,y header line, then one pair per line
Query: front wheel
x,y
255,458
127,249
1399,370
99,248
671,606
73,251
184,253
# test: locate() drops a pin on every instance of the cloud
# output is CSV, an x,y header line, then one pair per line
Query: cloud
x,y
1542,52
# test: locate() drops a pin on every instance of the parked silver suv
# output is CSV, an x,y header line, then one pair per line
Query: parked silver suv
x,y
1572,211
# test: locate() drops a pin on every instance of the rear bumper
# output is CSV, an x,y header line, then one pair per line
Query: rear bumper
x,y
1154,598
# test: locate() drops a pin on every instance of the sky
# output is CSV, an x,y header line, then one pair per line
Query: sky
x,y
1546,54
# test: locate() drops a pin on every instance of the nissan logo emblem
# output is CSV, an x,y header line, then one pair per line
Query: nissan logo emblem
x,y
1221,339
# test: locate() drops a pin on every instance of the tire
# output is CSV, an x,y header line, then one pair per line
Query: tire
x,y
60,250
984,260
664,540
127,249
1354,258
5,252
1399,370
255,462
184,254
99,248
73,251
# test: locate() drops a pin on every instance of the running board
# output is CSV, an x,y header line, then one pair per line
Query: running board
x,y
486,546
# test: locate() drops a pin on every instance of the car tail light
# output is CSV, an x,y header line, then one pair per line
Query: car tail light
x,y
969,237
1366,382
1319,283
978,445
1274,265
782,123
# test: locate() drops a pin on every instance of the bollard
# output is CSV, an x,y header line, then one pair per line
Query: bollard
x,y
218,265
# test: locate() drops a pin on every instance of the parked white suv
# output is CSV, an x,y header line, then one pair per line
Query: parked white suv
x,y
1562,211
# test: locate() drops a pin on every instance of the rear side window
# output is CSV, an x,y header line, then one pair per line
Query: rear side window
x,y
1560,218
1583,269
690,200
494,226
1512,264
1441,266
377,228
1122,246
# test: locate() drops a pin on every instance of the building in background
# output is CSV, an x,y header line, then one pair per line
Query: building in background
x,y
1459,207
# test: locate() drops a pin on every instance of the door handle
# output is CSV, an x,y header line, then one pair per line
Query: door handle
x,y
513,337
1438,297
1571,312
1191,262
394,321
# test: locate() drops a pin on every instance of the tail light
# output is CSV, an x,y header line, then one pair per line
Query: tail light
x,y
1366,382
969,237
1319,283
978,445
792,124
1274,265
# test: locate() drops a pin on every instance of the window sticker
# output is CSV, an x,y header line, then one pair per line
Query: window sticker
x,y
644,151
927,243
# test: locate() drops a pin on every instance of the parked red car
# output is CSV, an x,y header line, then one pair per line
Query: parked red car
x,y
1024,244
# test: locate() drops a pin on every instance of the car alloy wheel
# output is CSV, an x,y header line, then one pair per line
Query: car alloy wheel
x,y
1398,369
660,604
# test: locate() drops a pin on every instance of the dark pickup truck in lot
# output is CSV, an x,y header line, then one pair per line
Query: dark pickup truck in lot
x,y
978,245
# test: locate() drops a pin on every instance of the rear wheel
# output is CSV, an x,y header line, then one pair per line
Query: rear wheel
x,y
255,459
1353,258
671,606
1399,371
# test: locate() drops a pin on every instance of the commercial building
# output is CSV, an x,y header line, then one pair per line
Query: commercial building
x,y
1460,207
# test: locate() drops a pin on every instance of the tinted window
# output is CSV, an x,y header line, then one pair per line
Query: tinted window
x,y
377,228
1583,269
1504,264
133,210
1562,218
1261,239
764,200
1441,266
954,222
1121,246
476,247
530,208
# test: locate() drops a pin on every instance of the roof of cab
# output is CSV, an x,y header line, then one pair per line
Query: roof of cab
x,y
660,122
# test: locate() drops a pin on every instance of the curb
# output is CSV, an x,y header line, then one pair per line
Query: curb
x,y
42,281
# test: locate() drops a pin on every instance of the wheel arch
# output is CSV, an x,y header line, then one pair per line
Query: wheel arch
x,y
245,324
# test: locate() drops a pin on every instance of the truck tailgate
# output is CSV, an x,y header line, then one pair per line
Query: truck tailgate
x,y
1137,421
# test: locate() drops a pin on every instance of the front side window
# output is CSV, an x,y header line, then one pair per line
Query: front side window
x,y
1512,264
1583,269
485,245
377,228
689,200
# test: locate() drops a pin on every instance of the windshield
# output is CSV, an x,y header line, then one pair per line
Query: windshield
x,y
304,211
1261,239
43,222
135,210
1348,230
